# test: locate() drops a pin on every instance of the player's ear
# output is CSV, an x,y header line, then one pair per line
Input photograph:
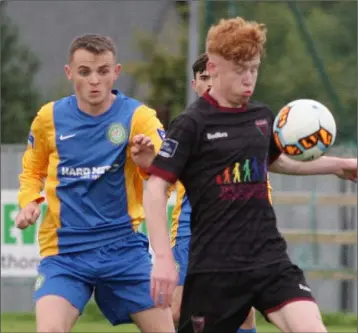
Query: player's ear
x,y
193,84
68,72
210,67
117,70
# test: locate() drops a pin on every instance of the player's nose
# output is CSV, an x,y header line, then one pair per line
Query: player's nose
x,y
94,79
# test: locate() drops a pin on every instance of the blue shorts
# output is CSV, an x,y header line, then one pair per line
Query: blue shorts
x,y
119,275
181,254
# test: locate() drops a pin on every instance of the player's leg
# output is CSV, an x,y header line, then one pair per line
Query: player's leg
x,y
287,302
249,325
62,290
180,253
214,302
154,320
298,316
123,289
176,304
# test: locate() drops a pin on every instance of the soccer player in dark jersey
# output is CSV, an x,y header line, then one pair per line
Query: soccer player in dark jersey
x,y
90,152
221,149
180,228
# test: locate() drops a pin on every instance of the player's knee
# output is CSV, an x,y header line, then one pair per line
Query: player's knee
x,y
52,328
308,328
315,326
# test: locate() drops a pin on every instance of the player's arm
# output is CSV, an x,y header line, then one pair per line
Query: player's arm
x,y
34,165
145,123
322,166
167,167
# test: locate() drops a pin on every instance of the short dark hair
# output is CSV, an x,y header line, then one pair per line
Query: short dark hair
x,y
93,43
199,65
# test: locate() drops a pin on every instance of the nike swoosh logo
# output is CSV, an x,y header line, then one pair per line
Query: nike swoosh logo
x,y
65,137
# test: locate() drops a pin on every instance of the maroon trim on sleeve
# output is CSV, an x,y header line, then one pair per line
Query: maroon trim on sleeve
x,y
168,176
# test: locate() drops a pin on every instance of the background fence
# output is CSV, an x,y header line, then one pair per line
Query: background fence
x,y
312,53
318,215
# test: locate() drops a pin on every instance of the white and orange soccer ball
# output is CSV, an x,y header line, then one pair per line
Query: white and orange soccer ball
x,y
304,129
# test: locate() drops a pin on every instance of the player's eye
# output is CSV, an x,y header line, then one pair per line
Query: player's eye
x,y
240,70
84,73
104,71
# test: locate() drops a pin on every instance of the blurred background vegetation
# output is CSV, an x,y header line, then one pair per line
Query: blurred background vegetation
x,y
311,53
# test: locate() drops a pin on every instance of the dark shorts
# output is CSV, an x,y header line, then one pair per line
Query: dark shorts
x,y
220,302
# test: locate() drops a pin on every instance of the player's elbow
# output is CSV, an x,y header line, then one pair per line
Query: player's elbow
x,y
283,165
157,186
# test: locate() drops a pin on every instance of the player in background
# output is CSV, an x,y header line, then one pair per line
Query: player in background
x,y
180,229
90,151
238,258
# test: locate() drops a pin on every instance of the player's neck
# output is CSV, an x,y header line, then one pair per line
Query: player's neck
x,y
96,110
221,100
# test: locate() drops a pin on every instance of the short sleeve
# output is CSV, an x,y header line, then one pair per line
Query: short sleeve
x,y
145,122
274,150
176,149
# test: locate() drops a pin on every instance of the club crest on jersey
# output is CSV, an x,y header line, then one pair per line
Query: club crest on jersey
x,y
198,324
262,126
161,133
30,140
117,134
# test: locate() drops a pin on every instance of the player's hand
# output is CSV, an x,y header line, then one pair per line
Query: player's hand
x,y
348,169
28,215
142,151
164,280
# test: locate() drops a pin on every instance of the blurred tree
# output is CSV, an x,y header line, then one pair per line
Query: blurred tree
x,y
287,72
164,75
19,98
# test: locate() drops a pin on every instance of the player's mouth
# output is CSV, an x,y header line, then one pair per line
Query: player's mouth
x,y
247,93
94,92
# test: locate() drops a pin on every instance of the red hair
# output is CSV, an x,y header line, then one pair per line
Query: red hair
x,y
236,40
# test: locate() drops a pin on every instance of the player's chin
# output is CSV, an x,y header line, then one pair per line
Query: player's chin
x,y
244,99
95,100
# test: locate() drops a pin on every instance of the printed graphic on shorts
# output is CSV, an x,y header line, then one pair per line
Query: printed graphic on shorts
x,y
198,324
40,279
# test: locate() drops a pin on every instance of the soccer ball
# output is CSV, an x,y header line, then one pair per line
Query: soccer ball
x,y
304,129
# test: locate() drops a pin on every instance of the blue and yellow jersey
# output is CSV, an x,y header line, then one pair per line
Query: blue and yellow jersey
x,y
180,216
181,213
93,188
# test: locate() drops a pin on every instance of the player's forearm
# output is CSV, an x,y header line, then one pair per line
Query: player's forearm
x,y
30,190
155,203
322,166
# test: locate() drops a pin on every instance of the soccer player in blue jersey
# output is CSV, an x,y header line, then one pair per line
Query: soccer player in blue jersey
x,y
180,228
90,152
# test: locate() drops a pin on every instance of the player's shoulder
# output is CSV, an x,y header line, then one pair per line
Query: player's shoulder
x,y
192,113
45,113
257,105
135,106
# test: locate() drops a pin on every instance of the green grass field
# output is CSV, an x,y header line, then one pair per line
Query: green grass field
x,y
25,323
